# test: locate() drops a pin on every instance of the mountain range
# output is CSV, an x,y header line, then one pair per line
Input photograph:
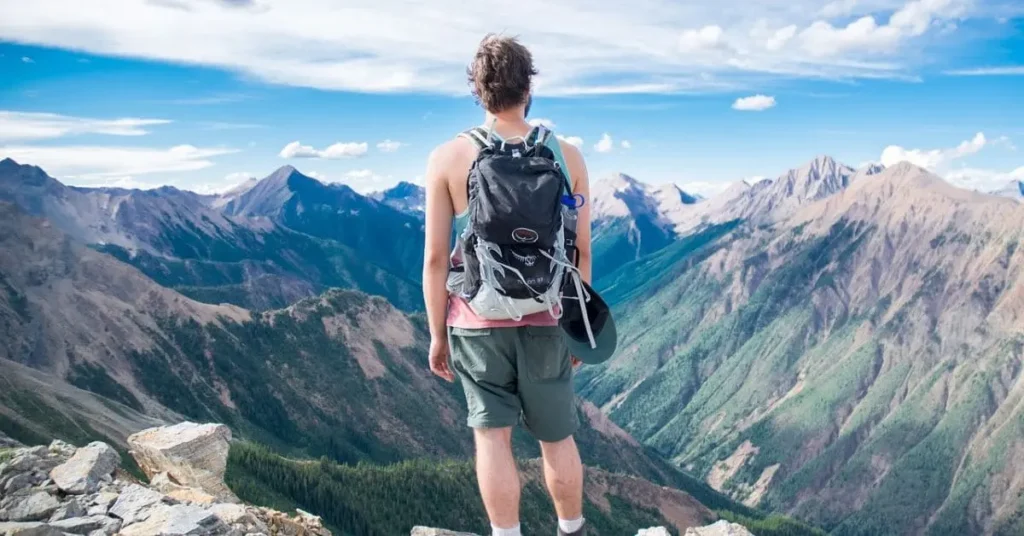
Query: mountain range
x,y
91,348
264,245
839,344
845,347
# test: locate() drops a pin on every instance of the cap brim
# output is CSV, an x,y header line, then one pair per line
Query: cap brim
x,y
606,338
606,341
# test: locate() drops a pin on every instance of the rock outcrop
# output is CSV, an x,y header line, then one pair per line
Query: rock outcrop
x,y
185,455
60,490
722,528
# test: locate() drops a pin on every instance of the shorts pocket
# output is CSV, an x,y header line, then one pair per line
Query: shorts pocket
x,y
471,349
545,355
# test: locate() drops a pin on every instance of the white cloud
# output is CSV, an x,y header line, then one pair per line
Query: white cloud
x,y
572,140
392,45
935,159
626,144
364,180
822,39
707,189
1008,70
388,146
26,59
345,150
318,176
237,177
548,124
103,165
337,151
754,103
605,145
710,37
838,8
26,126
984,180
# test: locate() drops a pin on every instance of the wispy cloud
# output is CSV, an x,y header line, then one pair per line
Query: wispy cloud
x,y
26,126
26,59
337,151
209,100
1006,70
389,146
938,160
227,125
655,47
105,165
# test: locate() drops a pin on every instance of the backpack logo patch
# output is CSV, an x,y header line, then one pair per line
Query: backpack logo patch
x,y
527,260
525,236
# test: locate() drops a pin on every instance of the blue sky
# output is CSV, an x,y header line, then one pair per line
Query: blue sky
x,y
199,93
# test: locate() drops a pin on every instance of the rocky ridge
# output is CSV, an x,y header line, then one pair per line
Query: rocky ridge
x,y
60,489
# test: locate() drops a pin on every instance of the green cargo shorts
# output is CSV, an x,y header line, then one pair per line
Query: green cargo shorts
x,y
511,375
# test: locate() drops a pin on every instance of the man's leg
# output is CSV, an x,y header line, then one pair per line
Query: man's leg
x,y
563,473
497,475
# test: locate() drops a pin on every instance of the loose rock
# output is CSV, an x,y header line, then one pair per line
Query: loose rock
x,y
28,529
134,503
87,525
34,507
70,509
178,519
721,528
193,455
83,472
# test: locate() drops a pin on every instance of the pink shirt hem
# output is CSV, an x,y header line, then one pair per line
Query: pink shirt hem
x,y
460,315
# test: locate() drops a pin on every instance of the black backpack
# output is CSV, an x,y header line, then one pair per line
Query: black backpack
x,y
517,246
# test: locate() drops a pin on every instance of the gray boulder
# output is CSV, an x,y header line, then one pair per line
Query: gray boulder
x,y
654,531
193,455
34,507
721,528
88,525
18,482
135,503
70,509
60,448
87,469
28,529
178,520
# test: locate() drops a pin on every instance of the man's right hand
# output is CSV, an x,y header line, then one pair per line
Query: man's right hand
x,y
439,359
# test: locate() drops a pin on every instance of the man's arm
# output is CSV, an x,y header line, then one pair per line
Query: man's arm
x,y
581,185
439,214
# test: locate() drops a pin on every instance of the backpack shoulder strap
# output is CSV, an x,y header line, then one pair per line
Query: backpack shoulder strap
x,y
479,137
551,141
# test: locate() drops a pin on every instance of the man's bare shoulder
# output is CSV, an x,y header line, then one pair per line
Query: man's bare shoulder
x,y
570,151
450,157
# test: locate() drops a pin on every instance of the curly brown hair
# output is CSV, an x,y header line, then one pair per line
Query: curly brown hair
x,y
501,73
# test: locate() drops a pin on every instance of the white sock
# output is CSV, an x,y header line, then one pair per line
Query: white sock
x,y
498,531
570,526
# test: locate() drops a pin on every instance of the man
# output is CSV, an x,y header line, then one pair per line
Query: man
x,y
512,370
